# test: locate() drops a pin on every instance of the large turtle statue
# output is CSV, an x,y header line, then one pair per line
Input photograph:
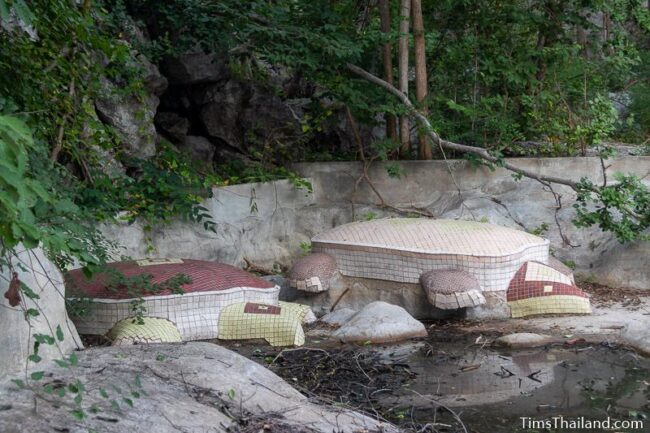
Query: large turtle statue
x,y
447,264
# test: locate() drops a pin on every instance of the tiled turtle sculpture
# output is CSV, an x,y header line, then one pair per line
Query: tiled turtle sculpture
x,y
457,263
194,314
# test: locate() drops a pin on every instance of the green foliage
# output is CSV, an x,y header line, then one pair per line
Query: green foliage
x,y
18,191
57,73
622,207
369,216
640,109
34,209
511,71
165,187
305,247
570,264
238,171
48,79
394,170
52,82
44,201
540,230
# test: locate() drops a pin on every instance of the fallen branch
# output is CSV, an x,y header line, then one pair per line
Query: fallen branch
x,y
299,349
339,299
252,267
437,403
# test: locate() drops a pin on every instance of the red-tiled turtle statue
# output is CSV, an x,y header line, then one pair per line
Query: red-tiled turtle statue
x,y
195,312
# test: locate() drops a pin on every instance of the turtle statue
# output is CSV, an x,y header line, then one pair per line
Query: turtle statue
x,y
193,313
415,262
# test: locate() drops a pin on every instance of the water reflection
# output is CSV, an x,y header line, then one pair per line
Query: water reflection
x,y
532,381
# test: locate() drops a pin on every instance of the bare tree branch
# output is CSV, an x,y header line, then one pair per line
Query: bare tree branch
x,y
450,145
477,151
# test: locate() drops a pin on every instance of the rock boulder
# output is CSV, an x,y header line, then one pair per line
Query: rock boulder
x,y
33,269
131,119
195,67
380,322
194,387
198,148
522,340
172,125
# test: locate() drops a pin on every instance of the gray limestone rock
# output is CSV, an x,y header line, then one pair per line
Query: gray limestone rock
x,y
154,81
36,271
625,265
131,119
172,125
220,118
638,336
195,67
190,387
198,148
380,322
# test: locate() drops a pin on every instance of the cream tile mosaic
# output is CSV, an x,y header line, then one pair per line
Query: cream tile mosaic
x,y
540,272
493,273
432,236
196,315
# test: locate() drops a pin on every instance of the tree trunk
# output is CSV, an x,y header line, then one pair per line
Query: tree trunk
x,y
403,48
421,84
387,54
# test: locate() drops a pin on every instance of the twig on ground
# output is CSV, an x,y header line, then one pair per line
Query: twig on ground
x,y
281,354
436,403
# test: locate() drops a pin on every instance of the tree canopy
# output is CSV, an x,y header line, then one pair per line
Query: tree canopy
x,y
501,74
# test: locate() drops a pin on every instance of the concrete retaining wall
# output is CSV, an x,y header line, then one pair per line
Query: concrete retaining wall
x,y
266,222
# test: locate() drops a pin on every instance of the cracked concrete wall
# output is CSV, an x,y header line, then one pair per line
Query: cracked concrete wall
x,y
266,222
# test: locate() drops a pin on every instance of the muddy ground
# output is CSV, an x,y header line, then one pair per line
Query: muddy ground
x,y
456,381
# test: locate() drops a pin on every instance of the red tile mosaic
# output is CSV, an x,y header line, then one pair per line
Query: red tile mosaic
x,y
206,277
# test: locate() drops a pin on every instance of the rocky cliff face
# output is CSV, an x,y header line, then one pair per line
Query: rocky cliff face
x,y
216,109
216,114
207,105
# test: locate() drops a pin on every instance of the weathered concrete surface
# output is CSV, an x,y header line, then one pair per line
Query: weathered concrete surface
x,y
498,198
380,322
17,337
258,221
190,388
617,323
266,222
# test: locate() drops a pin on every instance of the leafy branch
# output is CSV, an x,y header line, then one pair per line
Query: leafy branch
x,y
622,208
